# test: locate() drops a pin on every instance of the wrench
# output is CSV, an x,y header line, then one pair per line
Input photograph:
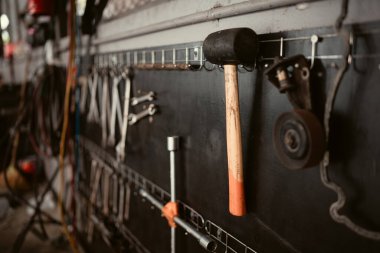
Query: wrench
x,y
128,191
93,114
120,216
83,81
120,147
115,184
106,190
144,98
151,110
93,196
105,109
115,110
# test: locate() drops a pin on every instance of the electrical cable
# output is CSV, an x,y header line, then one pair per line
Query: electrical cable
x,y
24,106
69,82
341,197
77,92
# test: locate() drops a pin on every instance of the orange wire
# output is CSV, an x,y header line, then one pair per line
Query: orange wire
x,y
69,82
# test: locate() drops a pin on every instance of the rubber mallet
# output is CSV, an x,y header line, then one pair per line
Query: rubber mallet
x,y
229,48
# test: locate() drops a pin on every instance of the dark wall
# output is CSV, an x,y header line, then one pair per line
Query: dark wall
x,y
288,210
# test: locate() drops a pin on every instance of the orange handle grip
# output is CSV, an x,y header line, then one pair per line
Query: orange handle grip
x,y
234,146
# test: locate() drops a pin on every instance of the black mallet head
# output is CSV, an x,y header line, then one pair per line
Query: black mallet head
x,y
231,46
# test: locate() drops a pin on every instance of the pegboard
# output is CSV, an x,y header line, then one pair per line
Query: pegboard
x,y
288,211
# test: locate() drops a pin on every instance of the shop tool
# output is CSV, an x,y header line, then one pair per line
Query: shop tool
x,y
150,111
229,48
106,108
144,98
120,147
170,210
93,114
115,108
96,173
298,136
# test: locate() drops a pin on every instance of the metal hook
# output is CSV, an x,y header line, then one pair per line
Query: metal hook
x,y
351,43
314,40
213,66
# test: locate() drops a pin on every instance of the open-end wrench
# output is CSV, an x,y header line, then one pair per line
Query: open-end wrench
x,y
106,190
151,110
93,113
105,109
120,216
147,97
115,193
93,197
120,147
115,110
127,200
83,82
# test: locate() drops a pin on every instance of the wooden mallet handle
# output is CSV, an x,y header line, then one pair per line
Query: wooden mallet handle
x,y
234,145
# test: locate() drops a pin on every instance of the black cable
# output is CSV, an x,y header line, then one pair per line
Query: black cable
x,y
341,197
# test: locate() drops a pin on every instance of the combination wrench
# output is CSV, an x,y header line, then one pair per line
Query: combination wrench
x,y
120,147
83,82
144,98
105,109
120,216
106,190
115,193
128,191
93,113
93,197
151,110
115,109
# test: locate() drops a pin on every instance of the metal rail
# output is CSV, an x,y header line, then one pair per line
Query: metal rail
x,y
203,239
204,16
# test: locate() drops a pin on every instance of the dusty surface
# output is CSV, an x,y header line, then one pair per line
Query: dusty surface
x,y
12,222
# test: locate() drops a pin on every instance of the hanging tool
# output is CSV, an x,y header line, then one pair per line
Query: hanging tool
x,y
205,241
120,147
229,48
147,97
106,110
298,135
120,216
173,145
150,111
93,113
115,109
127,200
115,194
170,210
96,173
106,190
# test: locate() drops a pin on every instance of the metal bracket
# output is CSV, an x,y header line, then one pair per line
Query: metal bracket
x,y
291,75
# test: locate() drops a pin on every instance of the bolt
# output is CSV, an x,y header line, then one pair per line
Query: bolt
x,y
333,65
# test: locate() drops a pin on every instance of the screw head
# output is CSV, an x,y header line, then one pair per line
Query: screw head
x,y
314,38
